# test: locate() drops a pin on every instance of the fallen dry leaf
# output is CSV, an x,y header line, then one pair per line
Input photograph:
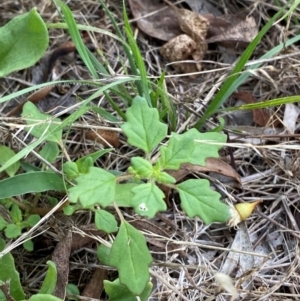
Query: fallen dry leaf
x,y
94,287
212,165
61,257
240,262
231,31
193,24
202,7
188,46
105,137
260,116
154,19
164,24
195,27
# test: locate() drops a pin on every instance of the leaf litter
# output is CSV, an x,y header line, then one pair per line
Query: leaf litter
x,y
265,170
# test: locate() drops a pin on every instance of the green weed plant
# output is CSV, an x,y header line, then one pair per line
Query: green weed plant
x,y
147,118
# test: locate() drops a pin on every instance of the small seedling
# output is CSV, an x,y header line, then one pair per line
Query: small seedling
x,y
98,189
13,229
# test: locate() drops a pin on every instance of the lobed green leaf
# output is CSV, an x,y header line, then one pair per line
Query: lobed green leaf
x,y
96,187
12,231
141,167
143,128
207,145
178,151
198,199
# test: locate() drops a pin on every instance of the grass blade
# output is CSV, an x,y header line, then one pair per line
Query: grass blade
x,y
230,84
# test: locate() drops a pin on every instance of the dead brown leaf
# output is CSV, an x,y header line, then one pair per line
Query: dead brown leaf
x,y
212,165
34,97
80,241
190,46
193,24
61,257
105,137
231,31
154,19
94,287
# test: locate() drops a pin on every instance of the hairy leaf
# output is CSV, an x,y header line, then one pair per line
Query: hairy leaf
x,y
105,221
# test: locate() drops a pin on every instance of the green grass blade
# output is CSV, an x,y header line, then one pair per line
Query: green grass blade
x,y
227,87
122,38
67,122
143,88
30,182
75,35
265,104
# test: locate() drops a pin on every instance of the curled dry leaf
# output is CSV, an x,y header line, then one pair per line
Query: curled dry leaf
x,y
105,137
154,19
165,24
191,23
240,264
212,165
